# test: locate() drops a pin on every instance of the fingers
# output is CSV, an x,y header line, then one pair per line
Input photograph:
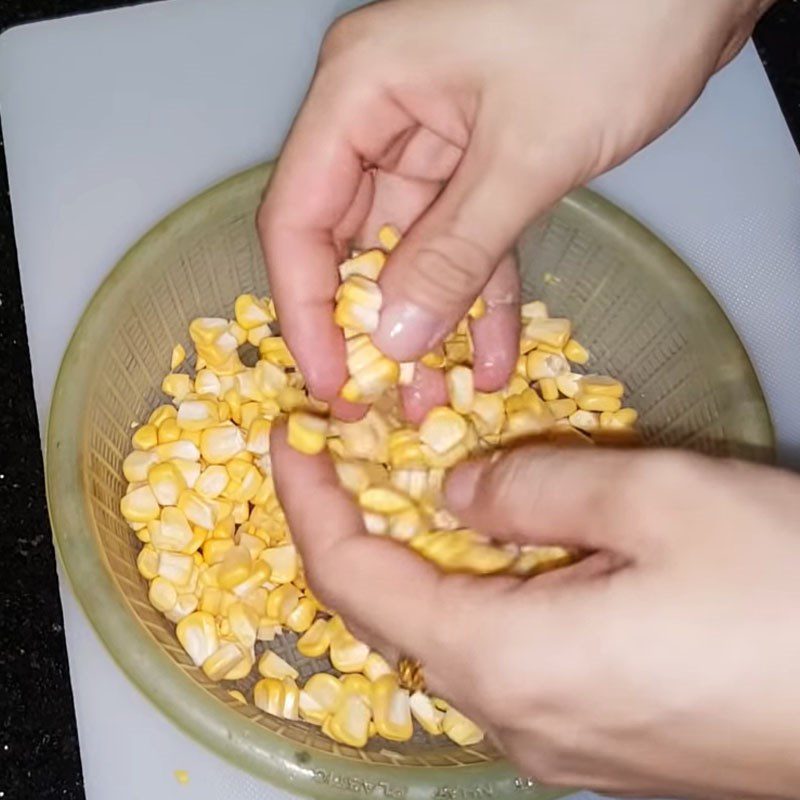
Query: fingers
x,y
495,336
427,390
545,495
377,584
450,254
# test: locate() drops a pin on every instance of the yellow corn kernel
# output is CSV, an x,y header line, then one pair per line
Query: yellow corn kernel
x,y
161,413
176,385
140,505
162,594
234,401
191,436
198,510
216,345
548,388
488,412
170,451
347,654
147,562
535,309
405,525
457,350
271,665
376,666
274,350
255,546
369,382
291,398
173,532
248,412
268,629
214,550
227,662
177,357
526,423
383,500
388,236
282,601
349,723
319,697
235,568
250,312
189,471
238,696
434,360
167,483
562,408
575,352
545,365
302,617
552,331
597,402
243,623
211,599
585,420
145,437
569,384
257,335
623,418
221,443
196,415
187,603
315,641
426,714
477,309
197,634
442,429
268,378
547,348
307,433
602,385
367,264
461,730
212,481
137,464
177,568
283,561
238,332
269,695
391,710
460,388
206,383
406,372
169,431
291,699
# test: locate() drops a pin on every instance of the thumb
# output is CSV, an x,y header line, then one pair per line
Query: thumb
x,y
449,255
551,496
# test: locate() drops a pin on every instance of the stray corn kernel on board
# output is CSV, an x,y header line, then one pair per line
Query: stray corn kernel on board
x,y
217,552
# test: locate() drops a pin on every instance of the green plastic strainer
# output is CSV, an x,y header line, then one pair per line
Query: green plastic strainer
x,y
639,309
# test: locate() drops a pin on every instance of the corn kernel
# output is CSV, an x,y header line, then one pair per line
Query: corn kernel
x,y
302,617
391,710
597,402
535,309
347,654
460,388
315,641
545,365
147,562
426,714
161,413
176,385
221,443
271,665
460,729
388,236
282,601
140,505
145,437
307,433
367,264
197,634
575,352
251,312
602,385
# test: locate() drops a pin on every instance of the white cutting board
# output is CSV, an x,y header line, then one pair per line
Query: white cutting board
x,y
112,119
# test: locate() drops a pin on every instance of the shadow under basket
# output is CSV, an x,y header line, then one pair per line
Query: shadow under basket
x,y
640,311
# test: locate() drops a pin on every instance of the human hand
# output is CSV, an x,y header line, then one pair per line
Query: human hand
x,y
460,121
665,663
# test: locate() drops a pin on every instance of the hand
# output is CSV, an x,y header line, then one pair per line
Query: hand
x,y
666,662
460,121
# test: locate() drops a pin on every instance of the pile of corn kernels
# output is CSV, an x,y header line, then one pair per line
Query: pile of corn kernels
x,y
217,552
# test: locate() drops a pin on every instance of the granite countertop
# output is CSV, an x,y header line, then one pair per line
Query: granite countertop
x,y
39,756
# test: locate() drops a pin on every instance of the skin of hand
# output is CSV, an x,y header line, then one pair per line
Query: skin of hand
x,y
666,663
461,121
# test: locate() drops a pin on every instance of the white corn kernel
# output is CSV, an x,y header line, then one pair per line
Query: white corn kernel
x,y
460,388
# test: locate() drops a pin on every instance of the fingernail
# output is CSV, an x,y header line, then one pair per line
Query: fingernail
x,y
462,484
406,331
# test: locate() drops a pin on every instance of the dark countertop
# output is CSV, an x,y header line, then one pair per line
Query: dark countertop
x,y
39,756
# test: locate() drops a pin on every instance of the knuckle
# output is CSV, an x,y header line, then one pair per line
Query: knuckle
x,y
449,271
344,34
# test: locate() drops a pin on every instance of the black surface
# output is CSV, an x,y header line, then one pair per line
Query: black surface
x,y
38,740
